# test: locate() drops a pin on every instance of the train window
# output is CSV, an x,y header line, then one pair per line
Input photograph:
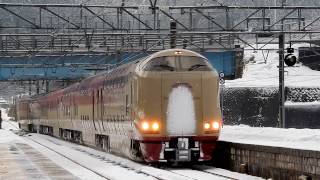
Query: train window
x,y
177,63
161,64
191,63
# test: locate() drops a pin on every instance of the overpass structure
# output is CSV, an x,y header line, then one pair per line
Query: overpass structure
x,y
42,30
49,35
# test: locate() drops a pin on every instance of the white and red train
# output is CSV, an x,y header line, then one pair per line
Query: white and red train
x,y
164,107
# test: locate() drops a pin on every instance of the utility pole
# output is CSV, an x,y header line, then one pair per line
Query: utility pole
x,y
38,87
281,81
173,34
30,87
47,86
282,97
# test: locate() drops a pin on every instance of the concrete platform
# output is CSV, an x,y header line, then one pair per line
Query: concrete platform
x,y
19,161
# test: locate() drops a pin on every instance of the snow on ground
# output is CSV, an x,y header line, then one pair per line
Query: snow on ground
x,y
7,136
307,139
314,103
111,166
182,173
109,170
233,174
259,72
4,114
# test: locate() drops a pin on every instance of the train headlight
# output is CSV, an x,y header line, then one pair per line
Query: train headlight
x,y
150,127
155,126
177,52
216,125
206,126
145,126
210,127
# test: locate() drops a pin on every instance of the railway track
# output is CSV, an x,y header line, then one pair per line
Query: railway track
x,y
155,173
95,172
112,162
193,173
201,174
51,149
216,174
194,170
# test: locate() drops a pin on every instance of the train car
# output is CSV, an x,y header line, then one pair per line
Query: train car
x,y
160,108
12,112
23,113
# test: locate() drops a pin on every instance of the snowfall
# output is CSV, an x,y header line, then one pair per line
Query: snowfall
x,y
90,164
261,71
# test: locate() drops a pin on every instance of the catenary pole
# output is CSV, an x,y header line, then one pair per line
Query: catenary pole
x,y
281,81
282,117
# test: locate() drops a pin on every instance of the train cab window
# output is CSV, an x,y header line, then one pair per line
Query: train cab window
x,y
161,64
191,63
177,63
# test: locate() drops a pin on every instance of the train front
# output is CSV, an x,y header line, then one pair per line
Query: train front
x,y
178,116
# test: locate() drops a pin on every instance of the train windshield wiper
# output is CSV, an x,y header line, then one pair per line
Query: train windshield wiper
x,y
165,66
193,67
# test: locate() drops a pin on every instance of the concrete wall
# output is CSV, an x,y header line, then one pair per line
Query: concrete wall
x,y
251,106
268,162
309,56
258,106
303,116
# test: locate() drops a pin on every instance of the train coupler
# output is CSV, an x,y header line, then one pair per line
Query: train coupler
x,y
180,150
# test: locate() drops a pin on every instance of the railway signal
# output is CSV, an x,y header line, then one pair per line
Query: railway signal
x,y
221,76
290,59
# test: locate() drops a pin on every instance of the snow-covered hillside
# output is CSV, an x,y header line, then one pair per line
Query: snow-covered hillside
x,y
261,70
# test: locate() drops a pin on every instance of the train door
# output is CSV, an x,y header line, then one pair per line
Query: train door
x,y
101,107
74,112
57,111
70,112
128,107
98,105
134,97
93,109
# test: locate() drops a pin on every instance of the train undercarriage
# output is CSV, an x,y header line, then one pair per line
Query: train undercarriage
x,y
178,149
172,150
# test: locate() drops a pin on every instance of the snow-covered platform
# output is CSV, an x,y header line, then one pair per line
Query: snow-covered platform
x,y
21,161
303,139
270,152
35,156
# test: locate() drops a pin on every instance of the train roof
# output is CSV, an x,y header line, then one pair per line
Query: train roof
x,y
96,79
170,52
174,52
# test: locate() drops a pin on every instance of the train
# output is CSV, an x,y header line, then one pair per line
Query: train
x,y
161,108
